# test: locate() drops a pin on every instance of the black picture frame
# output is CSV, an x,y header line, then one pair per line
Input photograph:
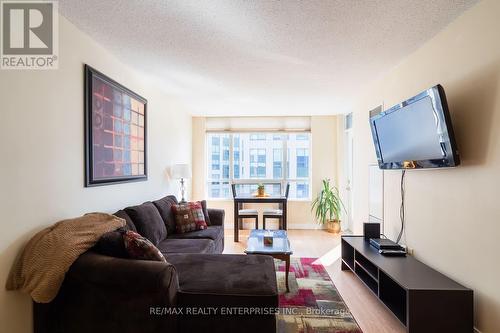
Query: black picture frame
x,y
91,164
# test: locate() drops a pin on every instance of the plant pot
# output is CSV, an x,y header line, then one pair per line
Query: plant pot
x,y
333,226
261,191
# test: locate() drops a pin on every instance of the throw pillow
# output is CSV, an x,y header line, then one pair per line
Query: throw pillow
x,y
139,247
205,212
148,222
189,217
111,244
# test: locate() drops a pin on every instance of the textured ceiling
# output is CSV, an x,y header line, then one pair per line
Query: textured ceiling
x,y
263,57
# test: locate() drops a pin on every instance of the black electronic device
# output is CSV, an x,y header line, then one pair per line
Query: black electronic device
x,y
384,244
371,230
393,253
416,133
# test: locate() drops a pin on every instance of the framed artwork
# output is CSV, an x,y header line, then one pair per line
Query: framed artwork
x,y
115,132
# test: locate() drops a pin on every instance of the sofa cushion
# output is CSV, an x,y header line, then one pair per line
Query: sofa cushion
x,y
189,217
173,198
170,245
148,222
123,215
225,280
164,206
111,244
139,247
205,211
213,232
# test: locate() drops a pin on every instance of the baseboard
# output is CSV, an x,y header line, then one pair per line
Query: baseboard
x,y
299,226
477,331
305,226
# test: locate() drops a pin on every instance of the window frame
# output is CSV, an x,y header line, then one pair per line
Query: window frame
x,y
283,180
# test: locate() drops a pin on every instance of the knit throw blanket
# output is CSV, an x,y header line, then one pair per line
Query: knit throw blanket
x,y
41,267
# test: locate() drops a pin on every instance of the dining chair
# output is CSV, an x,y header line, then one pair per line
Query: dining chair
x,y
245,213
275,213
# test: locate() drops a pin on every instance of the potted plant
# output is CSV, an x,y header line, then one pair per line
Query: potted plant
x,y
328,207
261,190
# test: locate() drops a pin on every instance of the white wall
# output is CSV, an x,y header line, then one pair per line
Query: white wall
x,y
453,215
41,153
323,164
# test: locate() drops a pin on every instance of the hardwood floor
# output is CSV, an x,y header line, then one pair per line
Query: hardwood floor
x,y
370,314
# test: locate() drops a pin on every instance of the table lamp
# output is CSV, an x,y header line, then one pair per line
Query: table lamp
x,y
181,171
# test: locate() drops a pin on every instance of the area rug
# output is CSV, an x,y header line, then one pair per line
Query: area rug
x,y
313,304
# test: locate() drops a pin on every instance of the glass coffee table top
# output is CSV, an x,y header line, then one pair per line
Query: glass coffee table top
x,y
255,244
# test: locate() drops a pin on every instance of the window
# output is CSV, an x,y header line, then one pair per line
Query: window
x,y
302,162
257,136
218,151
302,190
271,158
348,121
215,153
236,157
225,172
257,163
277,163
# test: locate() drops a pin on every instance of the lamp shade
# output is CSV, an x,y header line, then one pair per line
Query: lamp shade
x,y
179,171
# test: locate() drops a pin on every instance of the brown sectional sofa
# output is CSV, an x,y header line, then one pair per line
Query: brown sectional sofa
x,y
102,293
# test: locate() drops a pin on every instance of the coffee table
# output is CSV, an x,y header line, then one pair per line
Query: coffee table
x,y
280,249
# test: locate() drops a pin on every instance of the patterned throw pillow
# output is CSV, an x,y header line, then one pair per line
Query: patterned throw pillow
x,y
189,217
139,247
112,244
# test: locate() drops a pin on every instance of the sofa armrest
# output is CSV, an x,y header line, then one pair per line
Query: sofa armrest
x,y
102,294
216,216
129,275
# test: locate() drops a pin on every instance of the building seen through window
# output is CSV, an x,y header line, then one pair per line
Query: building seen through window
x,y
251,158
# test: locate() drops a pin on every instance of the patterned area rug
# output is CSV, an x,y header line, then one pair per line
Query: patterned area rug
x,y
313,304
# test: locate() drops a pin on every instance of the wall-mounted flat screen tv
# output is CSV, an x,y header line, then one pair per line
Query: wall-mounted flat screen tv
x,y
416,133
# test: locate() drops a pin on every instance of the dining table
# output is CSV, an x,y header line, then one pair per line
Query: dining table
x,y
240,200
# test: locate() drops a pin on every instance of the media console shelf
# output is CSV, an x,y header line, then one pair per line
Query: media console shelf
x,y
423,299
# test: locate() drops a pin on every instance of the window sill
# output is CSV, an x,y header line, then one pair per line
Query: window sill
x,y
301,200
219,199
231,200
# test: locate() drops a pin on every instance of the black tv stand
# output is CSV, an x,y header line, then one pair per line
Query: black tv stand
x,y
423,299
